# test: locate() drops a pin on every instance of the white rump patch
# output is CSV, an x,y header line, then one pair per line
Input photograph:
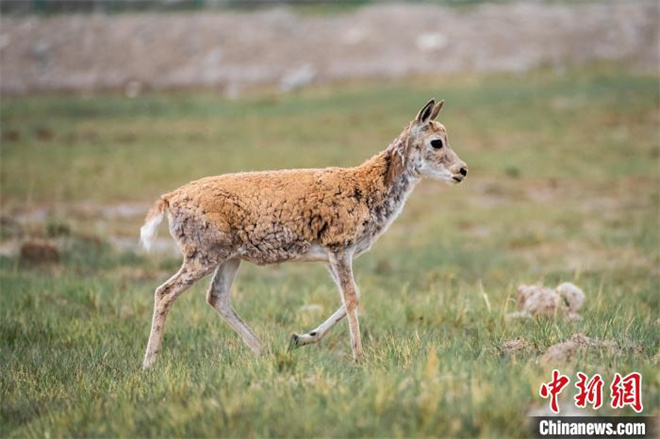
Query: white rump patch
x,y
149,231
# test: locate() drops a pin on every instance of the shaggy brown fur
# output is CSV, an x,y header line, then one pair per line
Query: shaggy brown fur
x,y
330,215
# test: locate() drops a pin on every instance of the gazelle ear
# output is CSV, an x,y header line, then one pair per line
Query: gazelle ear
x,y
436,109
424,114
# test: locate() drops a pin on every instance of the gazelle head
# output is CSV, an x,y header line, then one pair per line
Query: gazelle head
x,y
432,155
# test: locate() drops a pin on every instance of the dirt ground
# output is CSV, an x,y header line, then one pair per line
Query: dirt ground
x,y
231,51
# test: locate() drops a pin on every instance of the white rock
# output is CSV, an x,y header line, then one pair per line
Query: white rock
x,y
431,42
298,78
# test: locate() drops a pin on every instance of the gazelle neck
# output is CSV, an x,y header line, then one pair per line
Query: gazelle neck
x,y
393,177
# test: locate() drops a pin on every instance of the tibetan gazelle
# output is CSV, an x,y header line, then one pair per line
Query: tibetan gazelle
x,y
329,215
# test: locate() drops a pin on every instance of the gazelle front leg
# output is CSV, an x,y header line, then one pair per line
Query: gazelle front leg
x,y
342,264
316,335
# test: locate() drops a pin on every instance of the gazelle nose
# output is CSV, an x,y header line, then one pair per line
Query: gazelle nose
x,y
463,171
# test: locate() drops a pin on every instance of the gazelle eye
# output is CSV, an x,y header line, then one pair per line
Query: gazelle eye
x,y
437,144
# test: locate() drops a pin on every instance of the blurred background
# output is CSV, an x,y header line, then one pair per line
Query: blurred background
x,y
105,105
89,45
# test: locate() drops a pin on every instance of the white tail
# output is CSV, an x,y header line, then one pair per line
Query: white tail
x,y
149,230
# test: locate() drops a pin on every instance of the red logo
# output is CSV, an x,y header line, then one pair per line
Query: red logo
x,y
624,391
554,388
627,391
590,392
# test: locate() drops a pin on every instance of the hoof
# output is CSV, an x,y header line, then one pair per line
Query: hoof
x,y
294,341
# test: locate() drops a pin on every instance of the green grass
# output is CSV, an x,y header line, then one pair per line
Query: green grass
x,y
564,185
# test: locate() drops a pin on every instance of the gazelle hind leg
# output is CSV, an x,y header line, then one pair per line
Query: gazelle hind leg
x,y
219,298
191,271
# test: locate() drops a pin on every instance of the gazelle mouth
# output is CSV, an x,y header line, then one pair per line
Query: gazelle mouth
x,y
457,179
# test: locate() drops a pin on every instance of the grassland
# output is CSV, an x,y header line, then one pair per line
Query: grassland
x,y
564,185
